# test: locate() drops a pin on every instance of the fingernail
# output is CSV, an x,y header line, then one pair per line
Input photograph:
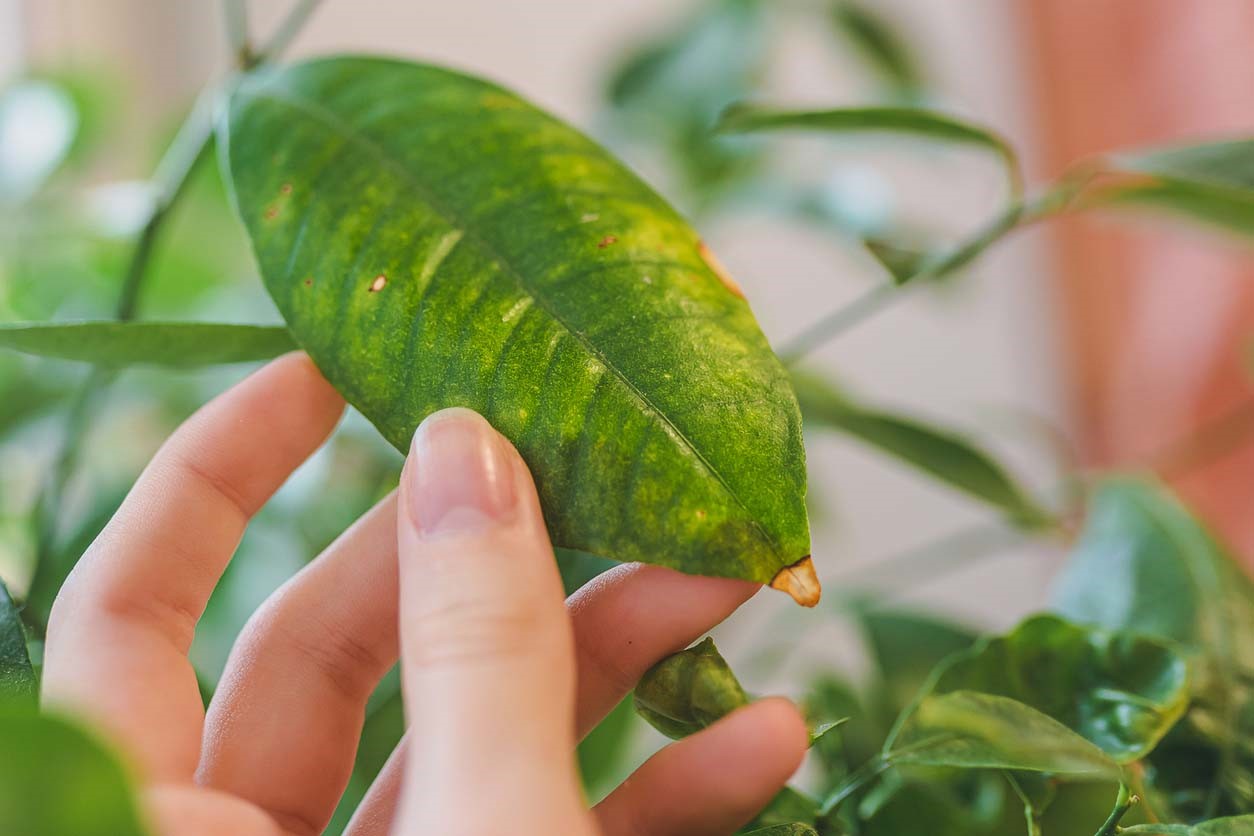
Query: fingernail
x,y
457,478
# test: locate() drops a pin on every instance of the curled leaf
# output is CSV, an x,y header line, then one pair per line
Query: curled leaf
x,y
686,692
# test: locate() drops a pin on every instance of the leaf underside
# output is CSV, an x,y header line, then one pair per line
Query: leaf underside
x,y
433,240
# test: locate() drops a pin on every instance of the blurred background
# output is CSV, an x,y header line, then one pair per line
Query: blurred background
x,y
1084,343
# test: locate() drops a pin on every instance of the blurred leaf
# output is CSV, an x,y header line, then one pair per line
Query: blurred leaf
x,y
148,343
902,263
668,92
688,691
909,122
578,567
603,753
1230,826
1048,697
880,45
906,648
1145,564
57,780
941,453
917,807
466,299
1212,183
788,807
17,676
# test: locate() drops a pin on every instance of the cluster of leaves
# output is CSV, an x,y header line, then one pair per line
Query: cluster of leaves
x,y
555,292
1134,685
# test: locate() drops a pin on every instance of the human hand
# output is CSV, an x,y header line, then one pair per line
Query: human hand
x,y
499,678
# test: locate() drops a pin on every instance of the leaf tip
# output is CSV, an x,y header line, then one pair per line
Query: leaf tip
x,y
717,268
800,581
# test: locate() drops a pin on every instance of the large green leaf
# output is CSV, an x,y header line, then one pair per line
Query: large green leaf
x,y
941,453
1050,696
147,343
433,240
17,677
1144,563
916,123
1212,183
56,780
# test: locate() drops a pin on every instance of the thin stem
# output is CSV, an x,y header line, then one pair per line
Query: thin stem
x,y
189,147
1031,815
855,781
1123,804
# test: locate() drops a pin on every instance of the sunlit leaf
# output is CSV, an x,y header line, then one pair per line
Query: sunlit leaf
x,y
17,677
1048,697
56,779
1212,183
433,241
915,123
147,343
941,453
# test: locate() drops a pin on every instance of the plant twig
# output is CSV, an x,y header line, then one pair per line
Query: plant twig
x,y
189,147
1123,804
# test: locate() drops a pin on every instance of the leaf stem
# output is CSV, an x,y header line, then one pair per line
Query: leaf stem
x,y
855,781
1123,803
189,147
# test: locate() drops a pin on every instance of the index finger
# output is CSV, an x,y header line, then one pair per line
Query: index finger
x,y
120,630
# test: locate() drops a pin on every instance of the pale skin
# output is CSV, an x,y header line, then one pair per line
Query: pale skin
x,y
453,575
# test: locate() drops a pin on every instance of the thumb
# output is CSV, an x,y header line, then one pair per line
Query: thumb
x,y
487,659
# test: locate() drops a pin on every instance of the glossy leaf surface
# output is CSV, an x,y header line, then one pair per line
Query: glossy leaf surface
x,y
433,240
147,343
1050,697
17,677
941,453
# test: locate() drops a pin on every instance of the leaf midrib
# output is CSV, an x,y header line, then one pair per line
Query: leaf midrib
x,y
455,220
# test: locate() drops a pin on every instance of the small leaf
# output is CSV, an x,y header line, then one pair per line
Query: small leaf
x,y
147,343
822,729
433,240
688,691
880,45
17,676
906,121
941,453
56,779
1048,697
789,806
1212,183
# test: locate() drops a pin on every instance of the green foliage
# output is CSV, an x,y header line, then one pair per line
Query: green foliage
x,y
795,829
147,343
881,46
56,779
677,440
941,453
1048,697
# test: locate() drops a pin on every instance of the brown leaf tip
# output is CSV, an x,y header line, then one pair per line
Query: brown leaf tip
x,y
606,241
718,269
380,282
800,581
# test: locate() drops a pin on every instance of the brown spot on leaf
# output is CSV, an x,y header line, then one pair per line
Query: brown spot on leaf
x,y
718,269
606,241
800,581
380,282
286,188
272,212
309,281
700,513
